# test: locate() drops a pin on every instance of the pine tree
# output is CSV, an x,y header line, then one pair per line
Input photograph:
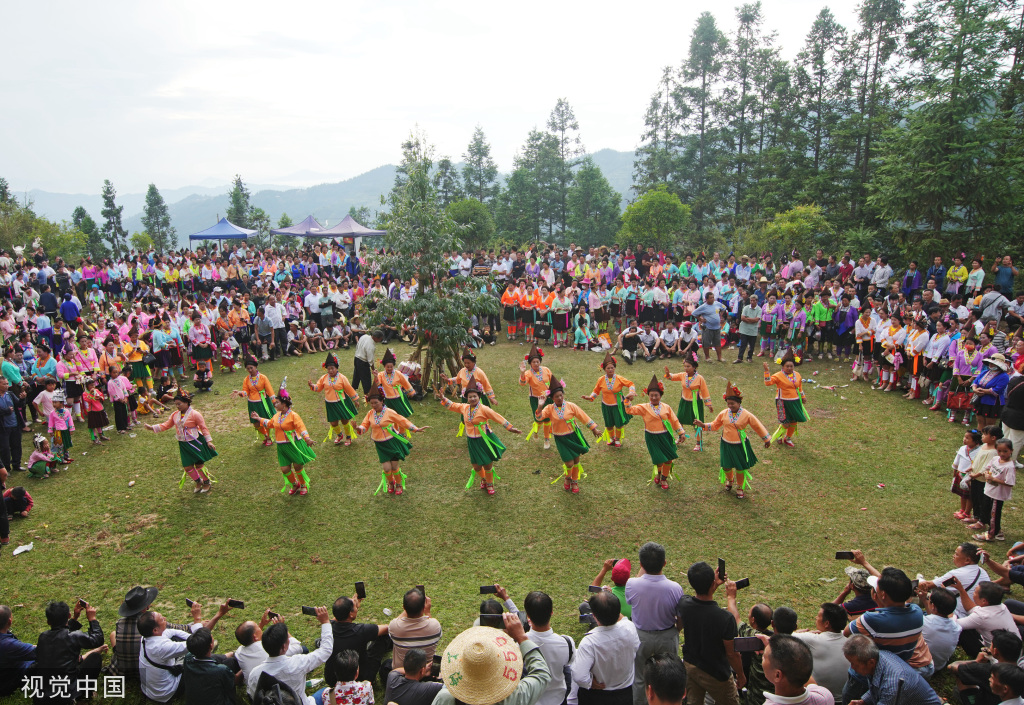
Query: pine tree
x,y
84,222
593,206
562,124
479,173
113,231
447,182
157,221
239,207
660,140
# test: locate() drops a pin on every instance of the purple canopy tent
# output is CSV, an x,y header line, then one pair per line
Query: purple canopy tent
x,y
348,227
307,228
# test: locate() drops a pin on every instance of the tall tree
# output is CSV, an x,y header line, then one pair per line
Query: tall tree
x,y
113,231
285,241
84,222
702,69
474,220
657,218
516,212
5,191
563,125
157,221
593,206
447,182
239,204
479,173
259,220
660,140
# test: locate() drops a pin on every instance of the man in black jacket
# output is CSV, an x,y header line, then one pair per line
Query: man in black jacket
x,y
370,641
59,658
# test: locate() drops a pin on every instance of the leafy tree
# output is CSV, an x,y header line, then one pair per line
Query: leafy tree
x,y
141,242
157,221
362,215
113,231
479,173
16,223
803,228
5,191
84,222
542,162
260,222
593,206
420,236
61,239
285,242
447,183
657,218
562,124
239,207
475,221
516,213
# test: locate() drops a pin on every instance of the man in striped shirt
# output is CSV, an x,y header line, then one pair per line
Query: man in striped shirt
x,y
414,628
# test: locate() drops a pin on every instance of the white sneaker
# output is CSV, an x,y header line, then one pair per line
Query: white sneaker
x,y
547,444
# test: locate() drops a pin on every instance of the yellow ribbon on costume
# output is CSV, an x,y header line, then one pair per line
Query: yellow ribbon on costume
x,y
533,430
330,433
462,429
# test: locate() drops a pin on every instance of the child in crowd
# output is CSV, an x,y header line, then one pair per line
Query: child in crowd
x,y
347,690
296,340
149,404
979,505
961,467
43,403
18,503
1000,476
60,425
119,389
42,462
265,332
166,390
96,417
227,355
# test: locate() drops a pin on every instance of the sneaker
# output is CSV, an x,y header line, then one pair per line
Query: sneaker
x,y
617,443
628,358
1000,536
736,362
788,443
547,444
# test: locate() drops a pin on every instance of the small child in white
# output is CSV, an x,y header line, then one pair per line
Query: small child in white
x,y
1000,476
961,468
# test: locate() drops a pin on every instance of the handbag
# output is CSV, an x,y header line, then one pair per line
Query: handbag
x,y
959,401
148,359
542,331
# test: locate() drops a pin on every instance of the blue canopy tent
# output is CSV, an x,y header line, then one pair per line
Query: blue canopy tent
x,y
223,230
307,228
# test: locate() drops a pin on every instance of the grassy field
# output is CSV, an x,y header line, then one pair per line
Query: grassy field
x,y
95,537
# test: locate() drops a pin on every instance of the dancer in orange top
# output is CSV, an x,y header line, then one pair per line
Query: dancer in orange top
x,y
341,400
294,446
510,304
259,393
470,369
659,424
392,447
695,396
195,445
735,452
789,394
565,417
616,391
528,312
537,378
394,384
485,448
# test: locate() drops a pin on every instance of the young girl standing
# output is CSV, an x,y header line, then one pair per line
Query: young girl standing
x,y
1000,476
60,425
789,403
92,401
736,456
119,389
537,377
962,461
694,398
979,502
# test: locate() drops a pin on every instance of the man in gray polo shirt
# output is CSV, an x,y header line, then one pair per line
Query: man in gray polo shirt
x,y
653,599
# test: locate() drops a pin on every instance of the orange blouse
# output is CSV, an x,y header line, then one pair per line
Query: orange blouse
x,y
290,421
462,379
330,386
608,391
377,424
473,416
538,386
561,415
731,425
544,304
654,417
252,389
690,384
787,388
394,385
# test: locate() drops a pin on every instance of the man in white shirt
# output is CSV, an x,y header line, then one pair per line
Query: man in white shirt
x,y
604,659
986,612
826,645
291,670
162,650
941,633
788,666
465,265
882,274
558,649
251,653
312,304
965,568
274,313
668,343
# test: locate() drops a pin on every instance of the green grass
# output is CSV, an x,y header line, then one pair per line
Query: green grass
x,y
95,537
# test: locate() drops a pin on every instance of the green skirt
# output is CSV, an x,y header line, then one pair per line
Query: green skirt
x,y
297,453
614,417
341,410
199,353
195,452
392,450
661,446
535,404
685,412
399,404
733,456
792,411
947,374
139,370
260,410
482,453
570,446
65,439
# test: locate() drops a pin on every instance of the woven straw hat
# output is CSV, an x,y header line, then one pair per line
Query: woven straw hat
x,y
482,666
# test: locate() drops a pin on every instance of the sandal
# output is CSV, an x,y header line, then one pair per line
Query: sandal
x,y
303,491
567,484
983,537
347,443
293,490
739,494
575,487
206,487
728,487
490,488
338,441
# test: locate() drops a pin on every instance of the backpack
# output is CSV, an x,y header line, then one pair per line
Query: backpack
x,y
271,691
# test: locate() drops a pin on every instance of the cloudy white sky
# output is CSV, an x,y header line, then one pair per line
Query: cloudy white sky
x,y
192,92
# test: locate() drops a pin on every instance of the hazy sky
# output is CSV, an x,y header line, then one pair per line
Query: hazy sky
x,y
181,93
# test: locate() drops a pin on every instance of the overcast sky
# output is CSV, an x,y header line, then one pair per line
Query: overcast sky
x,y
181,93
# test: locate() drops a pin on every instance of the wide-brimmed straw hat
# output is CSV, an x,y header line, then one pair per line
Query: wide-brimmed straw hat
x,y
999,360
481,666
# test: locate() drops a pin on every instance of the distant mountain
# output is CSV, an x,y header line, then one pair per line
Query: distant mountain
x,y
195,208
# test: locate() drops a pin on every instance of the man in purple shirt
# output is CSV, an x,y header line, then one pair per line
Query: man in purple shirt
x,y
653,599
